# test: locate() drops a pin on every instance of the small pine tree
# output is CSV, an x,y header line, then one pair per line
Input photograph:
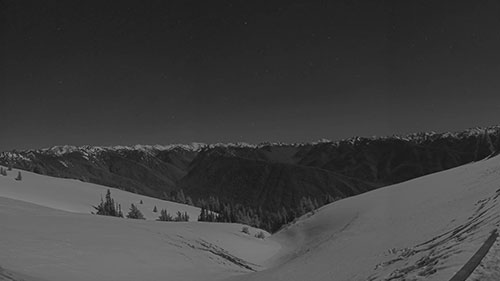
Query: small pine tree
x,y
182,216
155,210
203,214
165,196
19,177
99,208
165,216
180,197
140,202
3,171
306,205
260,235
108,207
134,213
245,230
329,199
120,214
9,167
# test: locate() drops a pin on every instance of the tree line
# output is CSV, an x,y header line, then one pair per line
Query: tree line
x,y
108,207
214,210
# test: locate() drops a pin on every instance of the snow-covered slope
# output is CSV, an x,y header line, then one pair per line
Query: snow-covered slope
x,y
77,196
426,228
47,233
55,245
275,176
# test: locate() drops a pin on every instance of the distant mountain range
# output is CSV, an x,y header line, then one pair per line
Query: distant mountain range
x,y
270,176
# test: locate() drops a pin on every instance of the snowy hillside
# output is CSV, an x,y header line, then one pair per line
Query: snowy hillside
x,y
66,242
269,176
426,228
79,197
54,245
423,229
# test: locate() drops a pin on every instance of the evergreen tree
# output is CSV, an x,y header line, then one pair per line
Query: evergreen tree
x,y
182,216
180,197
211,216
203,214
19,177
108,207
134,213
165,216
328,199
245,230
155,210
120,214
260,235
140,202
306,205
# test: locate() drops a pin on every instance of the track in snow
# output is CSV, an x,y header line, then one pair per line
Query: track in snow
x,y
476,259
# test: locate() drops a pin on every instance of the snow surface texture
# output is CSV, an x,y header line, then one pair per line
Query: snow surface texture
x,y
423,229
79,197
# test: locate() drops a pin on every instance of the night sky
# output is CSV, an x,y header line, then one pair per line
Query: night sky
x,y
160,72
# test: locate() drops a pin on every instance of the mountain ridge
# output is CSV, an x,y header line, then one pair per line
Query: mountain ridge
x,y
198,146
266,176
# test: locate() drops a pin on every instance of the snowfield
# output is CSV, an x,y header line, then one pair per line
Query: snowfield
x,y
426,228
55,245
79,197
52,236
423,229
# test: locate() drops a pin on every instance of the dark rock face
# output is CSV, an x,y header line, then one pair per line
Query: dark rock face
x,y
269,176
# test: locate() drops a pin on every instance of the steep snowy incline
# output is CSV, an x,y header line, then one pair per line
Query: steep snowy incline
x,y
77,196
425,228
